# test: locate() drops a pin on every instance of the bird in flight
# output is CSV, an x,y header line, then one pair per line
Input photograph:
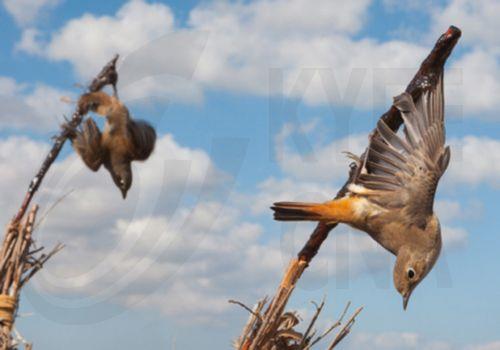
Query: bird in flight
x,y
391,194
123,140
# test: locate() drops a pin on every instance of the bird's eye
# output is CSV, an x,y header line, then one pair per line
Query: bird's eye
x,y
411,273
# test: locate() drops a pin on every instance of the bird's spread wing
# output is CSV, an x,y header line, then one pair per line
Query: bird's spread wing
x,y
404,171
143,136
87,144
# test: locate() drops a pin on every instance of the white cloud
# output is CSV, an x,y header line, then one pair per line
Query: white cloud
x,y
35,106
162,247
311,45
91,40
14,152
323,163
477,86
26,11
477,19
233,46
474,160
156,63
451,210
244,46
30,42
479,65
453,237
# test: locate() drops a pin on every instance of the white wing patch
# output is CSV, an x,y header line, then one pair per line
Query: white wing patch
x,y
359,189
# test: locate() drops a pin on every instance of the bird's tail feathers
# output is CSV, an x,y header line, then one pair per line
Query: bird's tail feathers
x,y
297,211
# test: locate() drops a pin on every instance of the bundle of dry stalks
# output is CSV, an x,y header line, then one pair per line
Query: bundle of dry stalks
x,y
20,259
263,329
286,336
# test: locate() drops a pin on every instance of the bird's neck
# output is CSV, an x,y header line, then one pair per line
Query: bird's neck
x,y
425,243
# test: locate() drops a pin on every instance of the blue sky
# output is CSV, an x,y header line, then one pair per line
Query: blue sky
x,y
254,101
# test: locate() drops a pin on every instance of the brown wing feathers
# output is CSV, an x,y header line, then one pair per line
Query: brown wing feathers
x,y
389,155
143,136
87,144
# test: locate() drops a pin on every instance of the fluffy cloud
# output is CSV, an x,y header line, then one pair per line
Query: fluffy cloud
x,y
35,106
26,11
162,247
476,83
477,19
244,43
323,163
479,65
30,42
116,250
308,53
142,33
475,160
244,46
90,40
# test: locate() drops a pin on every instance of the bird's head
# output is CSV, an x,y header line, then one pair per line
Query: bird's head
x,y
122,177
414,262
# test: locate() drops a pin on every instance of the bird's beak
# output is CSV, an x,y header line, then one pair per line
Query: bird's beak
x,y
406,299
124,193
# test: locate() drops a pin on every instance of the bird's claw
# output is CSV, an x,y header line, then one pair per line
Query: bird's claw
x,y
68,130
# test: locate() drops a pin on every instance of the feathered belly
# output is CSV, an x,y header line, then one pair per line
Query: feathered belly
x,y
116,143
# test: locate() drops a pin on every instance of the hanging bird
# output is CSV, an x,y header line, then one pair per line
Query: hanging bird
x,y
123,140
391,195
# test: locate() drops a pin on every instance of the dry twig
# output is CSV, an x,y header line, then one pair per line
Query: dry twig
x,y
287,337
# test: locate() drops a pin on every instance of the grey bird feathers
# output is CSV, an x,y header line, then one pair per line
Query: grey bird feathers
x,y
122,141
391,196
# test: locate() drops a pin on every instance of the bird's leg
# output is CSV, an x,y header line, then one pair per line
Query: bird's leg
x,y
68,130
115,92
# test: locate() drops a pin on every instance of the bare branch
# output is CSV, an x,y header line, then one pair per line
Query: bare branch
x,y
345,330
